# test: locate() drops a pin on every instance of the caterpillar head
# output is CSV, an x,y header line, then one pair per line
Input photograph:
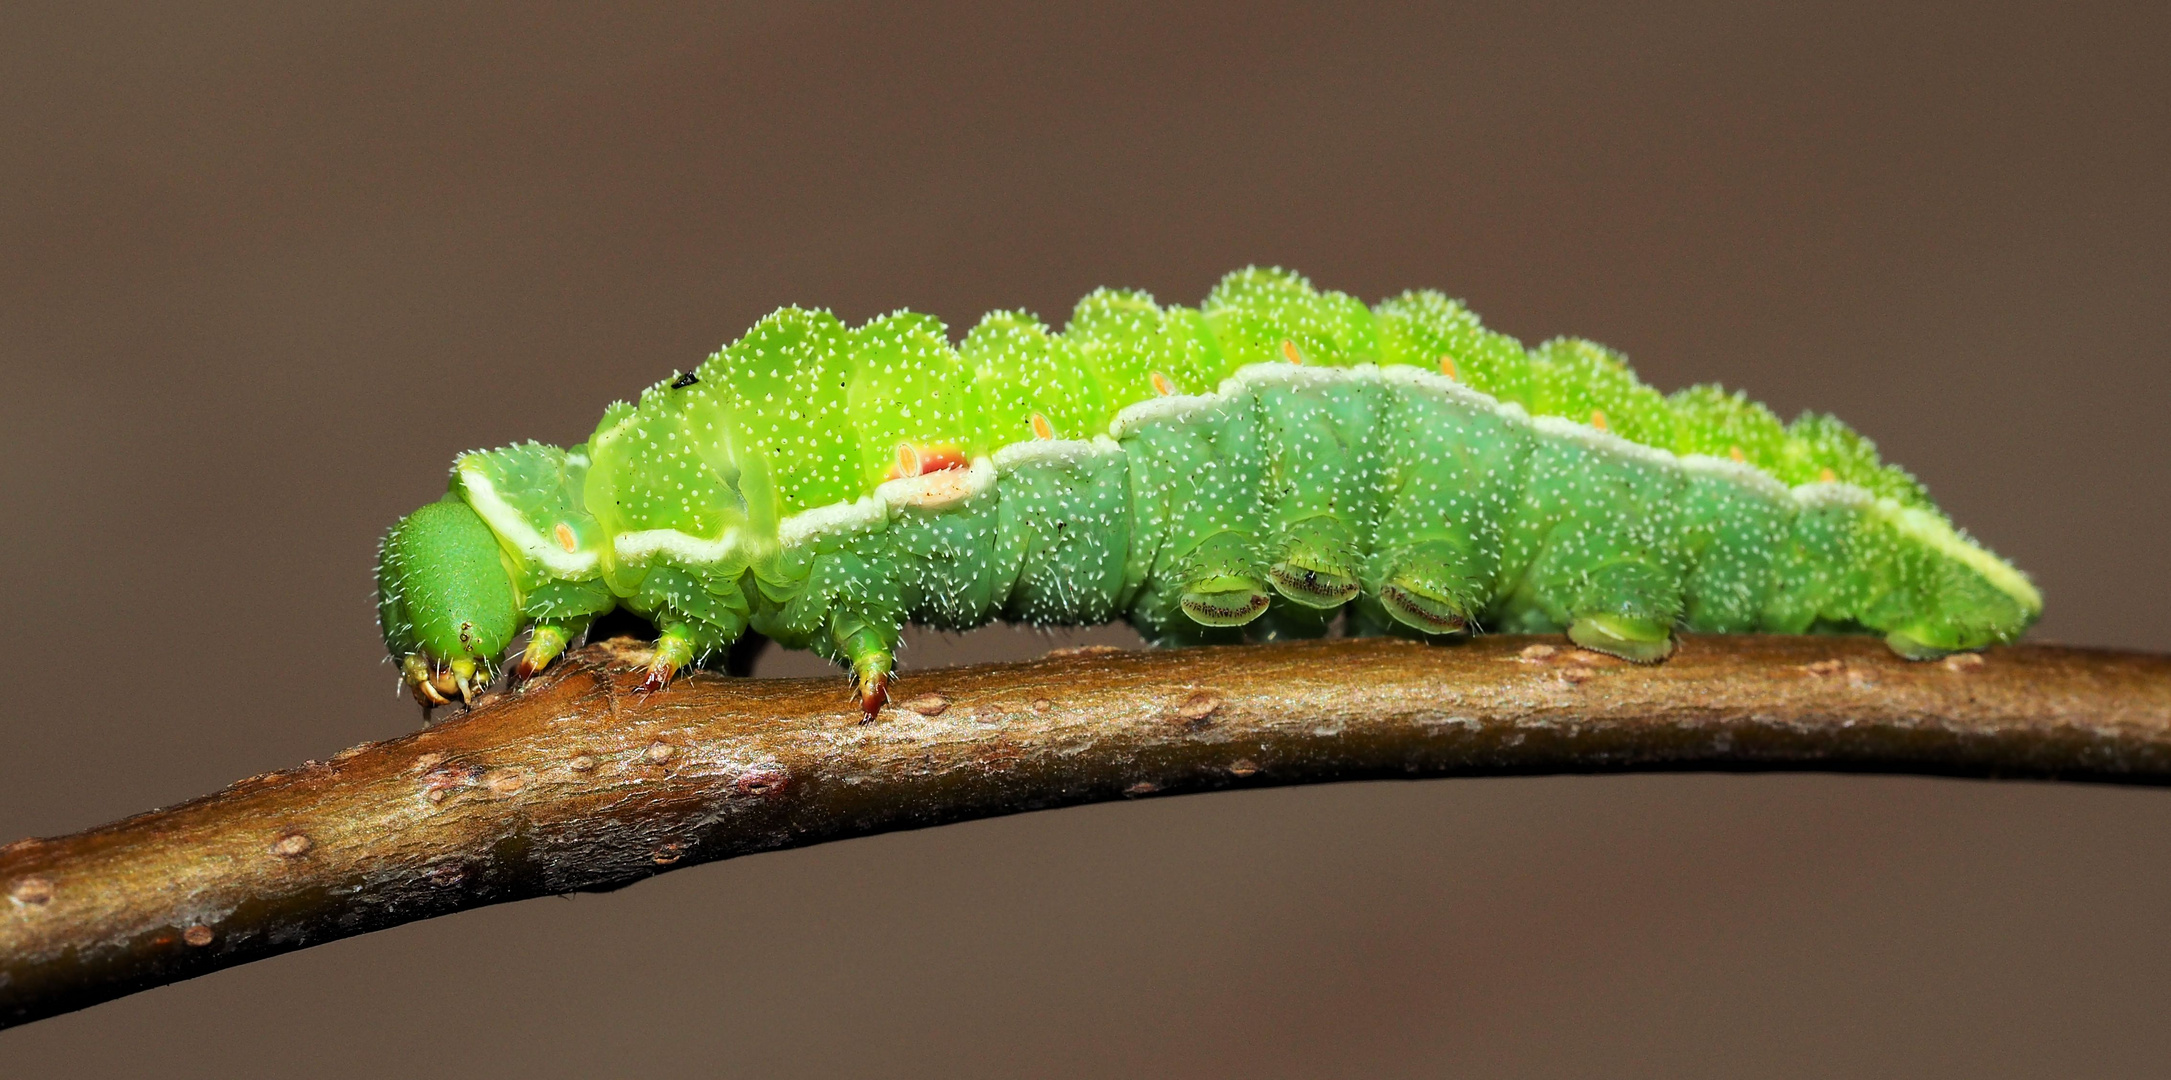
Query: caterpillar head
x,y
445,601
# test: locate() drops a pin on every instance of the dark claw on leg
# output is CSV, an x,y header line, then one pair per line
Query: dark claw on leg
x,y
658,677
874,692
674,651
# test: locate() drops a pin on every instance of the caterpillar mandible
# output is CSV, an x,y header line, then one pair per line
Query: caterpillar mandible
x,y
1245,469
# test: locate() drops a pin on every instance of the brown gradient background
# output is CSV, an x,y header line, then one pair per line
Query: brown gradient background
x,y
265,267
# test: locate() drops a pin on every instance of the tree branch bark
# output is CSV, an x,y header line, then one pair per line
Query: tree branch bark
x,y
575,783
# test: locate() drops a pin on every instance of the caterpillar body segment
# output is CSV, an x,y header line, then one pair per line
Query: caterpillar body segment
x,y
1244,470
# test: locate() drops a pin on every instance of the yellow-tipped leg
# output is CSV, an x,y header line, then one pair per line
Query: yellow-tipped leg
x,y
868,650
674,650
872,683
545,643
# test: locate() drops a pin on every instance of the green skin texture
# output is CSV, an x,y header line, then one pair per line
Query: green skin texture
x,y
1533,491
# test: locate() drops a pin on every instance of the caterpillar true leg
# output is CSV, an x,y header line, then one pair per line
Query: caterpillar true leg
x,y
869,652
546,642
674,651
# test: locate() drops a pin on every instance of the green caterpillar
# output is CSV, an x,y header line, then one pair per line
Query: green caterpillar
x,y
1243,469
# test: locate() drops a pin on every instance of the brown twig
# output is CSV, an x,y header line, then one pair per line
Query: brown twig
x,y
575,783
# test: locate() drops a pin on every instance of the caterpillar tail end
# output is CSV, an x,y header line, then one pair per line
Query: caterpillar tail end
x,y
674,652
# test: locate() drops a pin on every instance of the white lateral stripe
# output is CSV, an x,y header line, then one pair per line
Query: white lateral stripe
x,y
1823,493
1434,382
1740,472
837,517
1561,427
1173,407
483,498
687,549
1252,375
1052,452
1926,528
